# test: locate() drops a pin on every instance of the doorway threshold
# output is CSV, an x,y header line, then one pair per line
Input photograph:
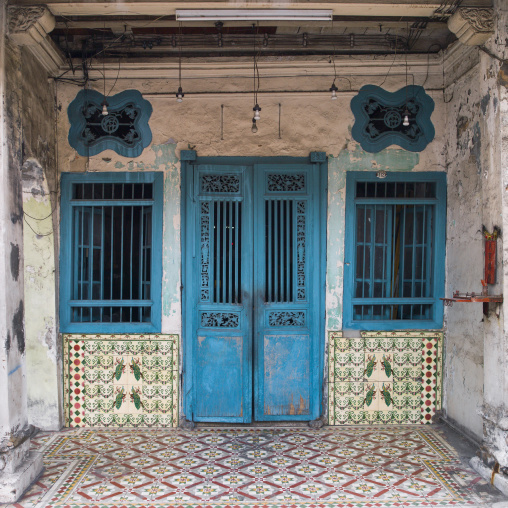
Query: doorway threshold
x,y
254,425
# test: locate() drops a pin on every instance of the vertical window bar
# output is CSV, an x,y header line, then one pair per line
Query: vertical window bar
x,y
422,275
385,252
413,267
281,251
142,249
393,278
237,282
130,259
224,252
217,254
90,253
429,240
403,248
82,258
287,275
294,252
276,251
372,257
122,210
213,247
364,248
77,220
230,253
112,266
239,250
102,255
268,237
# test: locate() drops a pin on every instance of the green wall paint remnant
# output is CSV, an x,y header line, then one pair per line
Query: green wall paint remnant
x,y
388,160
40,328
167,161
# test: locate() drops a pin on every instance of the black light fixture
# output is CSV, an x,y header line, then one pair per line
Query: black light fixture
x,y
405,121
256,110
256,107
334,91
180,95
104,103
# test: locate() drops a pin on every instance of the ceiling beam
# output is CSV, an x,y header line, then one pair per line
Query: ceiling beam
x,y
164,8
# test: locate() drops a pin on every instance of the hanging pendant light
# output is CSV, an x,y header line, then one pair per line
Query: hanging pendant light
x,y
180,95
256,110
256,107
104,103
405,122
334,91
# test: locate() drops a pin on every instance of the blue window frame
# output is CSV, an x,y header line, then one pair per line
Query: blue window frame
x,y
111,253
395,251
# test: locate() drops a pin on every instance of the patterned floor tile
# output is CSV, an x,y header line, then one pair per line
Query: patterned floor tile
x,y
360,467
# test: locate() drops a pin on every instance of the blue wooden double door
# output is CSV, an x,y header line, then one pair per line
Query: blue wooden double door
x,y
254,292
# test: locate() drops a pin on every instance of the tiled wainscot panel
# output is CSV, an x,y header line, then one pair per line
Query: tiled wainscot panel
x,y
384,377
121,380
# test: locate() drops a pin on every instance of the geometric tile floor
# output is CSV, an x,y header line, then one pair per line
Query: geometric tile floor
x,y
359,467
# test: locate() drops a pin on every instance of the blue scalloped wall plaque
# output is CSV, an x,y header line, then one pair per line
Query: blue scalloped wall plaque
x,y
125,129
379,118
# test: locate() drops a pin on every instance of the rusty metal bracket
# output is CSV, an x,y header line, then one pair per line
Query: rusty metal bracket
x,y
490,277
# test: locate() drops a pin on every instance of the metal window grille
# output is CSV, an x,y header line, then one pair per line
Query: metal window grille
x,y
394,257
109,265
112,253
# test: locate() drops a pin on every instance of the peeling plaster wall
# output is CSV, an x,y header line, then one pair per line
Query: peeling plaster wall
x,y
41,324
13,417
37,165
473,157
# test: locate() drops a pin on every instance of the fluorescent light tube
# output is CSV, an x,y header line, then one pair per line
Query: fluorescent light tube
x,y
253,15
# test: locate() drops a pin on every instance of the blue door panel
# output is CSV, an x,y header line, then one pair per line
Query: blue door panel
x,y
219,376
286,377
254,287
286,317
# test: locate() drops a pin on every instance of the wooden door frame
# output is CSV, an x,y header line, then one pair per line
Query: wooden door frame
x,y
189,159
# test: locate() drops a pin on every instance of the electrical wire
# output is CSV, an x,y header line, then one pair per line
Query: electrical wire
x,y
116,79
35,232
393,61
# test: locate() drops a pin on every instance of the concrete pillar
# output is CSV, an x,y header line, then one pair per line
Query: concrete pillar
x,y
18,466
495,383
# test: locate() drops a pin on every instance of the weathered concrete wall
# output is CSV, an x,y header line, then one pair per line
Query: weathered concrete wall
x,y
495,405
475,356
464,260
18,467
13,415
43,351
36,162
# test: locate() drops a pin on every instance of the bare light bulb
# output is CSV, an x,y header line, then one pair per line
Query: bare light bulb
x,y
105,111
405,122
254,127
256,110
179,95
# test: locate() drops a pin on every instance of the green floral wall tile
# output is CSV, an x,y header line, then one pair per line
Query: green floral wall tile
x,y
384,377
121,380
